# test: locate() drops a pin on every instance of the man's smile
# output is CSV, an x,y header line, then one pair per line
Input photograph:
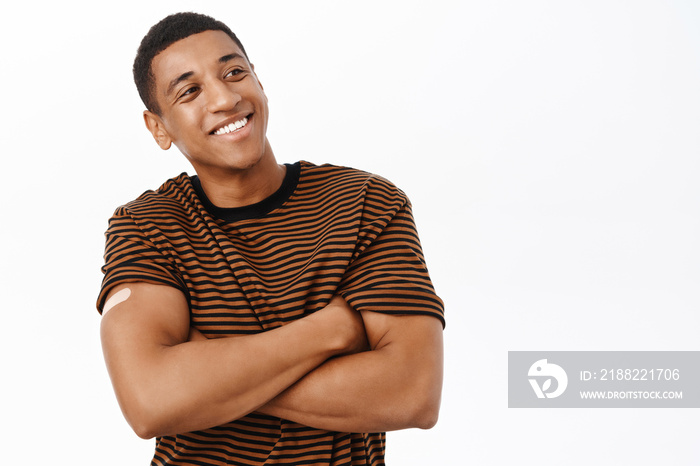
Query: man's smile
x,y
230,127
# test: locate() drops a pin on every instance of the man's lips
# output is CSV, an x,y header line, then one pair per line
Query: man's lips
x,y
231,125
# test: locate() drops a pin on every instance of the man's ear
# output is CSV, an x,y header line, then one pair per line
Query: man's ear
x,y
155,125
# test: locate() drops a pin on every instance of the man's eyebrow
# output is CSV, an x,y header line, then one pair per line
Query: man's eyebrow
x,y
184,76
178,80
229,57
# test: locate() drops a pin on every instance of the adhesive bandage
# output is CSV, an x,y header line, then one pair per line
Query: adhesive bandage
x,y
118,297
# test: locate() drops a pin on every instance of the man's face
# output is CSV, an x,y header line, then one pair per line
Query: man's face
x,y
213,107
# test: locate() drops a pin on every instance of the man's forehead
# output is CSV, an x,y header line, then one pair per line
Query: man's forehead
x,y
190,54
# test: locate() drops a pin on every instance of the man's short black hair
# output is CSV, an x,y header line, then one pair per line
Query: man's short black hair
x,y
167,31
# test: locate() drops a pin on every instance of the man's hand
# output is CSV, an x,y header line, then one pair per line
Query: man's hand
x,y
196,335
344,320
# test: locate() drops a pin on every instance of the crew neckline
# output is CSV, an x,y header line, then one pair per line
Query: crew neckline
x,y
259,209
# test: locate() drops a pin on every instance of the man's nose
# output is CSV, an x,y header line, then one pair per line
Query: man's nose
x,y
222,97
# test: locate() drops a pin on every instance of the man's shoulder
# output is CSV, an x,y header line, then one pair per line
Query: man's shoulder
x,y
171,195
172,199
350,178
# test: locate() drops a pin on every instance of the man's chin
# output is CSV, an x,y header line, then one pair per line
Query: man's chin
x,y
228,165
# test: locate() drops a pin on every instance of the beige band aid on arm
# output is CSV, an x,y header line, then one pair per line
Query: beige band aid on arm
x,y
118,297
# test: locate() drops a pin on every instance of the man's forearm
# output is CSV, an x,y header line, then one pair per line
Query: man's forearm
x,y
172,388
218,380
395,386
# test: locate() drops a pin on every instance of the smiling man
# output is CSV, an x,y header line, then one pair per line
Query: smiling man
x,y
260,313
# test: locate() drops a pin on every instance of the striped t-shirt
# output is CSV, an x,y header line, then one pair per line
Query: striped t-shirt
x,y
327,230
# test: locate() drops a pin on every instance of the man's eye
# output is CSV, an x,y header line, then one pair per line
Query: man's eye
x,y
234,72
188,91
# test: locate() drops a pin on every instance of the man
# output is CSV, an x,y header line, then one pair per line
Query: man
x,y
259,313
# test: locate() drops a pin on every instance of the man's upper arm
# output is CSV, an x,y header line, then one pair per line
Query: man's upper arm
x,y
135,330
414,345
149,315
414,330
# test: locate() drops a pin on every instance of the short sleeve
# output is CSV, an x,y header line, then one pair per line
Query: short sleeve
x,y
130,256
390,274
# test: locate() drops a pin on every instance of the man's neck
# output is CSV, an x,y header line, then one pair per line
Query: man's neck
x,y
238,188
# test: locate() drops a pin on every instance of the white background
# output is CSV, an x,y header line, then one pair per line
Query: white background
x,y
550,149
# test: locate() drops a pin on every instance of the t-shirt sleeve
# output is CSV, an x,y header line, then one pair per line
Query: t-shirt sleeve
x,y
389,274
131,256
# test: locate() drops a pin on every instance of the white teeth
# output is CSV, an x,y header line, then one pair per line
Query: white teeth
x,y
232,127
